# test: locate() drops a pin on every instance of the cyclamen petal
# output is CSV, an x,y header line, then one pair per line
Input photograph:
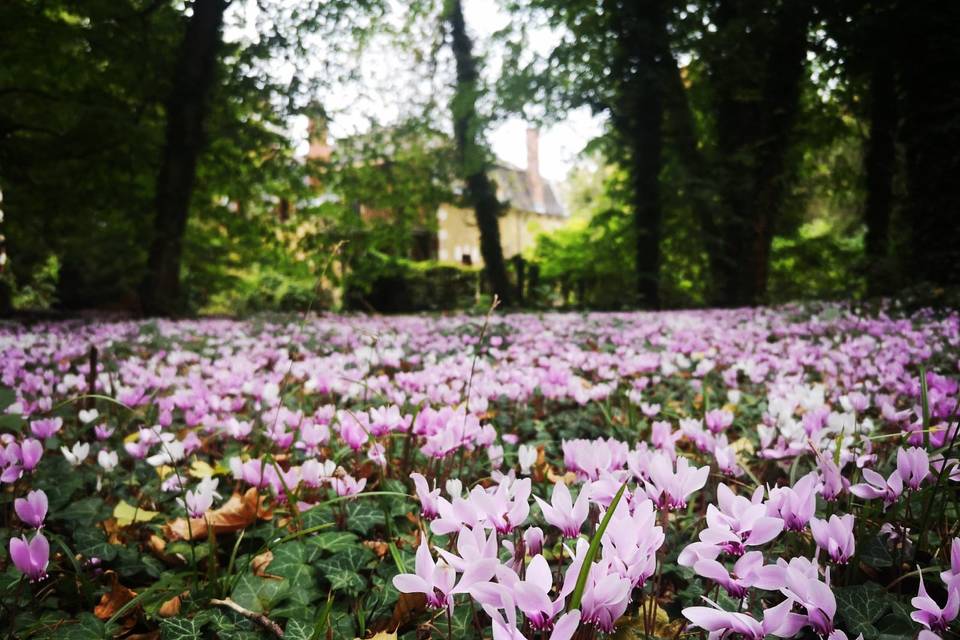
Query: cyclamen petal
x,y
32,509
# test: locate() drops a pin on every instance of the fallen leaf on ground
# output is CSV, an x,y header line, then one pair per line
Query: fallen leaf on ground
x,y
126,514
113,600
260,563
239,512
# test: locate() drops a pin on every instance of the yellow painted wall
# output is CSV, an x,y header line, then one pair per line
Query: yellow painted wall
x,y
457,232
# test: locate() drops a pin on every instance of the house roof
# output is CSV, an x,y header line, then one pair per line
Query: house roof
x,y
514,187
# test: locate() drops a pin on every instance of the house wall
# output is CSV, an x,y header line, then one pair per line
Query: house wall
x,y
457,232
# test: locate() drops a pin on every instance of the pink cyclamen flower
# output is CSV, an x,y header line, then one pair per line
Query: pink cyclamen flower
x,y
832,482
954,570
737,522
347,485
32,557
353,432
929,613
795,505
563,513
748,571
835,536
428,499
876,486
533,539
605,598
913,466
532,594
504,508
30,453
669,489
32,509
777,621
718,420
505,628
102,432
802,584
45,428
437,581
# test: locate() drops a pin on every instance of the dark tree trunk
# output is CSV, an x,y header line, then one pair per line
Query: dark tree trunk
x,y
929,56
879,166
757,74
781,104
186,108
680,134
638,118
480,192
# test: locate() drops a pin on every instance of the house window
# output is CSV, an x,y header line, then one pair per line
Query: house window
x,y
467,259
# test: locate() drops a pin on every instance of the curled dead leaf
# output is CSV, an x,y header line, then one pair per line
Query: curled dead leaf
x,y
260,563
567,478
170,608
379,547
383,635
239,512
408,607
113,600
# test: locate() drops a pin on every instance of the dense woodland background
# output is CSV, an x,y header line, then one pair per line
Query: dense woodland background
x,y
755,151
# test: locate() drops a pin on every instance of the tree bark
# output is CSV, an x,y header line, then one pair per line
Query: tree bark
x,y
480,190
928,58
754,122
186,109
680,134
638,117
879,167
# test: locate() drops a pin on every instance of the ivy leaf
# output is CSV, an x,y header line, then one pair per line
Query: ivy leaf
x,y
330,541
350,559
345,580
83,511
179,629
88,627
298,629
59,483
874,552
462,623
91,542
860,606
288,563
362,517
258,594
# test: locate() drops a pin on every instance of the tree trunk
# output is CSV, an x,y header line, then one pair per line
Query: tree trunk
x,y
928,59
638,117
879,166
186,108
757,75
681,135
480,191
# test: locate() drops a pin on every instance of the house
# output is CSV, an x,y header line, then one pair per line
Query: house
x,y
532,207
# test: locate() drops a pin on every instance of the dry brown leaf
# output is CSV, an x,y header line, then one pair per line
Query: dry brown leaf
x,y
568,478
112,601
169,608
409,605
383,635
239,512
157,544
379,547
260,563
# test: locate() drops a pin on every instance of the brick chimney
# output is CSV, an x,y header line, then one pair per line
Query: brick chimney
x,y
534,179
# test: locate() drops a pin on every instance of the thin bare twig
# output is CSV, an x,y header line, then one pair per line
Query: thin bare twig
x,y
259,618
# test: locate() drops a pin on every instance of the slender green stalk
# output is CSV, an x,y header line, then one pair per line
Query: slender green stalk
x,y
592,551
